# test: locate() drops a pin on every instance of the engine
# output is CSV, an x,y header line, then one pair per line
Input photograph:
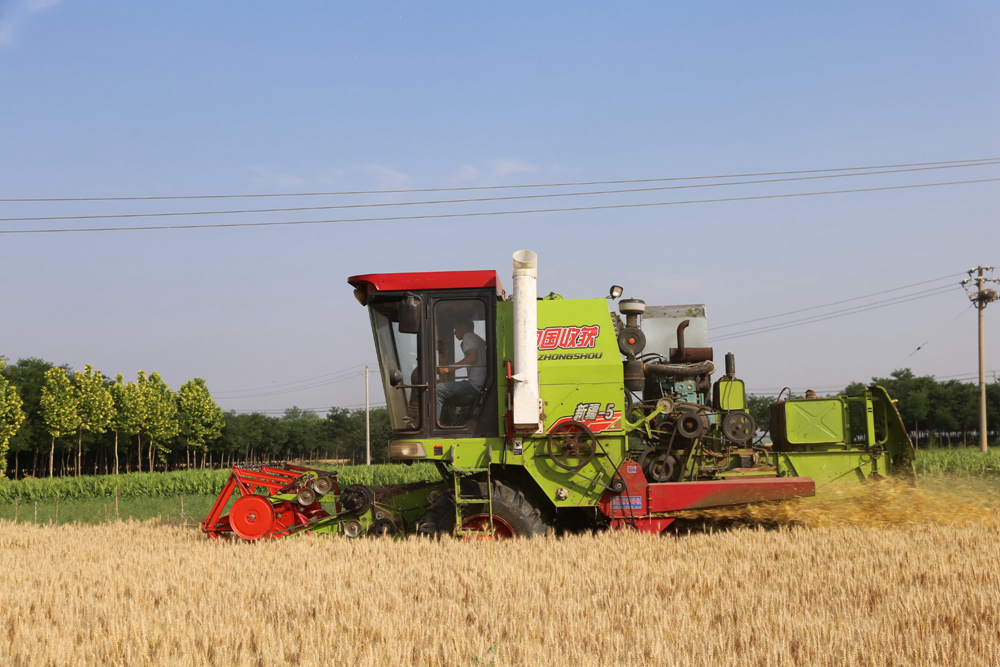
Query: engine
x,y
680,424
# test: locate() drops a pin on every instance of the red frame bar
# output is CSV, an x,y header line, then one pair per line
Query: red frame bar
x,y
732,491
640,499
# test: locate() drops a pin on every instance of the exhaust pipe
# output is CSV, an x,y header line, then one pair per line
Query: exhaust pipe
x,y
527,405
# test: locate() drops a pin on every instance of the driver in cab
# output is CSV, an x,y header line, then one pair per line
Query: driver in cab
x,y
474,360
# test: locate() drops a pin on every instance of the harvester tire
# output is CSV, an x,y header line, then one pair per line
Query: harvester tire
x,y
513,513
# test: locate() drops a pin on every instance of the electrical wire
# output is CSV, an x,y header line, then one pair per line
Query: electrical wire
x,y
443,216
116,216
317,385
963,376
940,331
285,384
493,187
279,411
766,391
843,313
836,303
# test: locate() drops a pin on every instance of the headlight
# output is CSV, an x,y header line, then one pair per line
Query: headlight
x,y
406,450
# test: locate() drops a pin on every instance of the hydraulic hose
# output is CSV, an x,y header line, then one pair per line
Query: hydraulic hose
x,y
679,370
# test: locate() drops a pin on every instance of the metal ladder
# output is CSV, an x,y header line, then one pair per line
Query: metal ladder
x,y
460,500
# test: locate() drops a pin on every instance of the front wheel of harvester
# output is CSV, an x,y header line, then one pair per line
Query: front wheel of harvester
x,y
514,515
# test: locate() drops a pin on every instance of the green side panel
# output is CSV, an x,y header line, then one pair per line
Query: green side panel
x,y
583,487
577,343
830,467
731,395
814,421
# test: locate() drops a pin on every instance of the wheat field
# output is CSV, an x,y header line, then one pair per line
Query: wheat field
x,y
153,594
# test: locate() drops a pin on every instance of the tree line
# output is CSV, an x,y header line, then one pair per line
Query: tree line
x,y
933,412
54,421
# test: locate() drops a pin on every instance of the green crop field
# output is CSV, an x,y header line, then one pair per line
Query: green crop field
x,y
170,509
176,497
958,461
187,496
190,482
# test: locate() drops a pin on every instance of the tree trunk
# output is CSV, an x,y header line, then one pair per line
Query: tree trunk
x,y
116,452
52,456
79,452
138,462
152,451
34,463
187,453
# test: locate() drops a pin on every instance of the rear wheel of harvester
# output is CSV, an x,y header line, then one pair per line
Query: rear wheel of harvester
x,y
514,515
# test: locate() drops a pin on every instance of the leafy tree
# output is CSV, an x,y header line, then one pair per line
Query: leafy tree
x,y
295,412
126,417
94,406
58,404
28,375
11,416
161,417
759,408
200,419
140,396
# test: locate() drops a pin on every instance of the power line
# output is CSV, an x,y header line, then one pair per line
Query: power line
x,y
285,384
117,216
836,303
317,385
936,334
494,187
820,388
270,411
443,216
848,311
963,376
759,391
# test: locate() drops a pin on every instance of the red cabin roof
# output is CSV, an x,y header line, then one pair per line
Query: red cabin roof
x,y
393,282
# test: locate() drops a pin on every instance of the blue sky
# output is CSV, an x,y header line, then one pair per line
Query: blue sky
x,y
116,99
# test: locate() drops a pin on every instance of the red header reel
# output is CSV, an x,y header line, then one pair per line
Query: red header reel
x,y
257,514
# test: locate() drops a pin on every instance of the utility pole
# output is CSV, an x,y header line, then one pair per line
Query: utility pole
x,y
980,299
368,423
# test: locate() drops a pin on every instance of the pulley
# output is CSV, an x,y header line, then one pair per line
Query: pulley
x,y
738,427
571,440
352,528
251,517
305,496
692,424
323,485
659,465
356,499
384,527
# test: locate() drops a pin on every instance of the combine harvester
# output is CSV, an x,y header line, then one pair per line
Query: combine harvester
x,y
556,414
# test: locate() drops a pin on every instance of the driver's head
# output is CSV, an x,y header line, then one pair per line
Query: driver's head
x,y
462,327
